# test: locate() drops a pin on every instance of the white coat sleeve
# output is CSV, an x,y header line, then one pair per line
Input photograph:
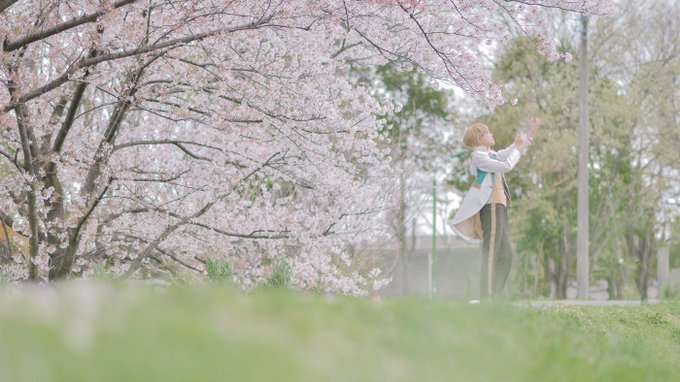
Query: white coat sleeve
x,y
484,162
503,154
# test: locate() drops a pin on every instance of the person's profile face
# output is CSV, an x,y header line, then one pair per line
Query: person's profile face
x,y
487,140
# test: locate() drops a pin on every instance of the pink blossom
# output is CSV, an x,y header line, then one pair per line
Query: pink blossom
x,y
222,129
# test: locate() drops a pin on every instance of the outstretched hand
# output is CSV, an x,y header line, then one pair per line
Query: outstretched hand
x,y
535,125
518,140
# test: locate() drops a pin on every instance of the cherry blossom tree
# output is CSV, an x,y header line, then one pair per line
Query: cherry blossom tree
x,y
149,135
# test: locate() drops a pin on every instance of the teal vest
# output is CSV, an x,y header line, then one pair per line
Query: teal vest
x,y
481,175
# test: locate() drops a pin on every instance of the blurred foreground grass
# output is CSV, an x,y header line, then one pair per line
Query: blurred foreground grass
x,y
101,332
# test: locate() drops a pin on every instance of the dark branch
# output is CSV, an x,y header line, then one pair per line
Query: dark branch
x,y
4,4
257,234
6,219
166,253
25,40
70,116
156,180
89,212
87,62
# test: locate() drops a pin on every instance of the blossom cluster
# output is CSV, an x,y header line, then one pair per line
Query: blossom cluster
x,y
137,134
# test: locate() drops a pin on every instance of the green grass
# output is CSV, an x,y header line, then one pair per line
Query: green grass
x,y
100,332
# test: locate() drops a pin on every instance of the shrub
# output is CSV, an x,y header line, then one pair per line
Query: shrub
x,y
219,270
280,277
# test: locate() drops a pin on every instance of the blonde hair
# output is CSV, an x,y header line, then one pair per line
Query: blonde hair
x,y
474,133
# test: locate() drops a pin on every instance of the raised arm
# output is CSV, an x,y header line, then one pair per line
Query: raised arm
x,y
484,162
527,138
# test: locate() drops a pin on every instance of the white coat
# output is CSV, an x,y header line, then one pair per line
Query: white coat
x,y
467,223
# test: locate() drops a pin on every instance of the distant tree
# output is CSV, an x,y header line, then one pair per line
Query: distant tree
x,y
645,64
633,168
419,136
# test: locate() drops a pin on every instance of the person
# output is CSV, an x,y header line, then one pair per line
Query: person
x,y
482,217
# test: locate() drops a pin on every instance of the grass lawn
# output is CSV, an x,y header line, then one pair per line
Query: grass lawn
x,y
101,332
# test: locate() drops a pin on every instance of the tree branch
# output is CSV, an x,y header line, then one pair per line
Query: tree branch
x,y
180,144
164,180
91,61
7,155
177,260
25,40
257,234
550,6
4,4
6,219
70,114
189,219
90,210
9,242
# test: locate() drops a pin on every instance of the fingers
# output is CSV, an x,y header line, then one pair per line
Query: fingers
x,y
518,138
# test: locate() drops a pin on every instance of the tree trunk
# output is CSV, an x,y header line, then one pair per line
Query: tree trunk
x,y
613,287
640,246
401,233
61,260
645,256
663,269
550,277
562,273
563,267
28,150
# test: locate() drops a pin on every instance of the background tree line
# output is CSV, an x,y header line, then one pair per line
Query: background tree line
x,y
634,129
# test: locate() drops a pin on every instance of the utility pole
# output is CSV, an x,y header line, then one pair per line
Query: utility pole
x,y
582,257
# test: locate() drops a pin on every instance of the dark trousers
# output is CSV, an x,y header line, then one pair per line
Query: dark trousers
x,y
496,251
